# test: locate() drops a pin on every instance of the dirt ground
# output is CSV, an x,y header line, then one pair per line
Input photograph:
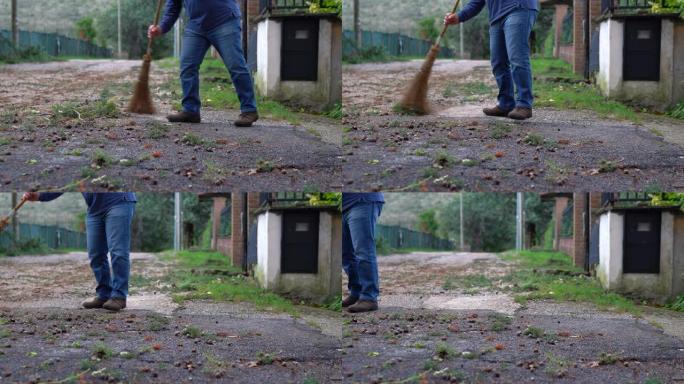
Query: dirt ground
x,y
46,337
426,333
456,146
38,151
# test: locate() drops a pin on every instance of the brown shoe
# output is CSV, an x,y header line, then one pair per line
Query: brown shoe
x,y
115,304
520,114
363,306
496,111
247,119
185,117
349,300
93,303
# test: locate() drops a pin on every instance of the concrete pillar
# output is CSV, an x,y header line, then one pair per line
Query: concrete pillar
x,y
609,271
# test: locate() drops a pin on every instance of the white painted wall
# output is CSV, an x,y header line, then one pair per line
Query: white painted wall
x,y
269,41
611,44
269,238
611,235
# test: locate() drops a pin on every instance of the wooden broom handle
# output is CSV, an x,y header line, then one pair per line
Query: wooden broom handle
x,y
6,220
156,22
446,27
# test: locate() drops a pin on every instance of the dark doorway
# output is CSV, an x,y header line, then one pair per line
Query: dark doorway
x,y
299,60
300,242
641,253
642,50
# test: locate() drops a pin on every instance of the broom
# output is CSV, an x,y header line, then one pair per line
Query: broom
x,y
141,102
5,220
415,98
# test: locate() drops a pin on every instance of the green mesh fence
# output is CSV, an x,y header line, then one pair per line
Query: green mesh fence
x,y
395,44
52,236
52,44
401,238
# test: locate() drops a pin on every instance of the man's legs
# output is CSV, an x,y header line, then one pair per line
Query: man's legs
x,y
97,253
349,261
501,66
195,47
517,28
228,42
361,220
118,223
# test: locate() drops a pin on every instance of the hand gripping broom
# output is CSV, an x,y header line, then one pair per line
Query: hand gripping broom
x,y
5,220
141,102
415,98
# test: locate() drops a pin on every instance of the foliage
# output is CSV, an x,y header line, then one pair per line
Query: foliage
x,y
21,55
375,53
668,200
677,111
668,6
327,199
677,304
427,29
25,247
85,29
326,6
153,220
428,222
138,15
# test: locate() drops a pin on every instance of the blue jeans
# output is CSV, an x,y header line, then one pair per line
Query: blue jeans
x,y
226,38
358,250
110,232
510,49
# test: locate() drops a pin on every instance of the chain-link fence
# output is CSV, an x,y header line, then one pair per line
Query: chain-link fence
x,y
51,44
395,237
51,236
394,44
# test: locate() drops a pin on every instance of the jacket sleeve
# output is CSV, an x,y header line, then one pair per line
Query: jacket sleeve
x,y
470,10
171,13
48,196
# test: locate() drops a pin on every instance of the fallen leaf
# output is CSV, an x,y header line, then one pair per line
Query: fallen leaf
x,y
499,154
499,347
156,154
156,347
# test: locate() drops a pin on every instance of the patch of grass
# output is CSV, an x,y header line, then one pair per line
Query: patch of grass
x,y
210,276
607,166
102,351
580,96
400,110
677,111
443,160
499,322
192,332
608,358
87,364
101,159
444,351
552,276
677,304
467,90
89,110
467,281
335,112
534,332
556,173
334,304
534,140
543,67
264,358
157,322
500,130
157,130
264,166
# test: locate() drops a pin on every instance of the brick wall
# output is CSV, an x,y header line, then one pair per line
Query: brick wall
x,y
561,204
237,246
580,244
561,12
579,59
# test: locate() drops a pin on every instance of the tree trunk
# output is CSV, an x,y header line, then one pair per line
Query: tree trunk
x,y
357,25
15,30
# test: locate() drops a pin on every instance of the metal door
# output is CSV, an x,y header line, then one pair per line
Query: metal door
x,y
299,57
300,242
641,252
642,50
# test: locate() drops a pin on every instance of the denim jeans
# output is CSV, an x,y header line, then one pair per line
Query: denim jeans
x,y
227,40
110,232
510,50
358,250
